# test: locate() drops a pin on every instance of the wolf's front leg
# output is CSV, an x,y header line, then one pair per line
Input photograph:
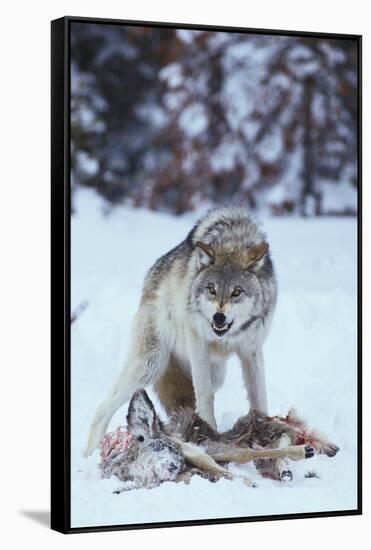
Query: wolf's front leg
x,y
201,377
253,375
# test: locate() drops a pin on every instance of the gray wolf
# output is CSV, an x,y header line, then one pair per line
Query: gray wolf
x,y
212,295
187,445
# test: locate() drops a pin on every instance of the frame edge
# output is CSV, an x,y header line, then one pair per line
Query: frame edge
x,y
60,432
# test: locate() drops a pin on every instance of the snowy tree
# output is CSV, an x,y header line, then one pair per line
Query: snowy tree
x,y
267,120
309,117
169,119
115,102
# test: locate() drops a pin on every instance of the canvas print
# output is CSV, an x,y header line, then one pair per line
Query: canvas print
x,y
214,192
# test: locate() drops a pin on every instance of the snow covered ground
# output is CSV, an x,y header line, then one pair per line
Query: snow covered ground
x,y
310,358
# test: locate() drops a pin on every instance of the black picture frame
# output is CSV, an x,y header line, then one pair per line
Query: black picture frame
x,y
60,275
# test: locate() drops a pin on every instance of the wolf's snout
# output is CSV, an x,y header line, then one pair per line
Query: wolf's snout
x,y
219,319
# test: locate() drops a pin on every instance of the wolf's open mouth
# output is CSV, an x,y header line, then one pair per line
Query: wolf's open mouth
x,y
219,331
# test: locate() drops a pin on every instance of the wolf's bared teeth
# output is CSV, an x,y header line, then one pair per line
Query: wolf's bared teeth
x,y
221,329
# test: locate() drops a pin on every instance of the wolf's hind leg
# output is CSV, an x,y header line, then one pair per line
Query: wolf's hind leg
x,y
174,388
137,373
102,418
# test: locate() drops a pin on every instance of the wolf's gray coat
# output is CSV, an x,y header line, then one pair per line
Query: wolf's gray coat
x,y
212,295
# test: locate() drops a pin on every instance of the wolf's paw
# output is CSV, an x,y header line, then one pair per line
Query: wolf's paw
x,y
309,451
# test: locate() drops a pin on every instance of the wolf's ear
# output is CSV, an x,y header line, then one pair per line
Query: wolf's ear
x,y
205,254
256,253
141,418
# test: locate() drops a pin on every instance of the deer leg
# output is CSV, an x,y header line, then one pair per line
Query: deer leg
x,y
322,444
295,452
186,476
201,460
283,464
198,457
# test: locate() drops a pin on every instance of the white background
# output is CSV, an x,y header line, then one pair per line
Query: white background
x,y
25,259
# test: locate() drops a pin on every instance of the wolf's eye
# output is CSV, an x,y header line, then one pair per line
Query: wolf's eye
x,y
211,289
236,291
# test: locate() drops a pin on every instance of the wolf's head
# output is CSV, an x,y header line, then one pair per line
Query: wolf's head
x,y
227,290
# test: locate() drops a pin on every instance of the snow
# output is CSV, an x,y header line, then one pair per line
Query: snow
x,y
193,120
224,156
310,358
289,189
271,146
334,55
172,74
174,100
340,197
302,61
87,163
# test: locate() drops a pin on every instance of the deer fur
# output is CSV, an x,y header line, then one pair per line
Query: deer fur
x,y
152,452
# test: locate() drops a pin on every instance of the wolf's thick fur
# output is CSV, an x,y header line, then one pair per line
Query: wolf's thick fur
x,y
211,296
